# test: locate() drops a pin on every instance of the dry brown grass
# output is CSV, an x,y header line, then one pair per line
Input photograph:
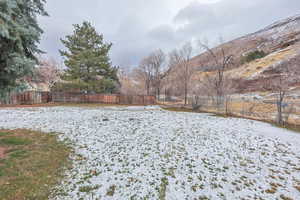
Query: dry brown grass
x,y
252,107
252,68
297,187
260,65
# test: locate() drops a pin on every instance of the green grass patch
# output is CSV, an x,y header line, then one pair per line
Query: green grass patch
x,y
14,141
111,190
87,188
163,188
5,134
33,164
18,153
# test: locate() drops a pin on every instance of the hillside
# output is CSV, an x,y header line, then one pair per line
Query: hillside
x,y
281,42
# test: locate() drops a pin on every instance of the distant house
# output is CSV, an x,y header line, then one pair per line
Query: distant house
x,y
37,86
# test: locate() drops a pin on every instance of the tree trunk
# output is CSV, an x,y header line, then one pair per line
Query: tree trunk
x,y
279,113
279,108
185,94
148,89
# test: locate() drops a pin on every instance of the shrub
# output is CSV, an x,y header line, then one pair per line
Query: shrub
x,y
254,55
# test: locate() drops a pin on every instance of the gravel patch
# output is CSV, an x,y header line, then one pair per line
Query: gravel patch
x,y
149,153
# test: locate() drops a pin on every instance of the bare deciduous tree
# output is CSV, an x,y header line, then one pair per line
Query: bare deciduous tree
x,y
157,60
152,71
131,84
279,85
180,64
145,73
205,93
48,71
217,81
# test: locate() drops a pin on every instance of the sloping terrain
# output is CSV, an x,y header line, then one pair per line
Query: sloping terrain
x,y
149,153
281,41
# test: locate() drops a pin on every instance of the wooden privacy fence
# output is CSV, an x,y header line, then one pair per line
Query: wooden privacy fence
x,y
34,97
30,97
60,97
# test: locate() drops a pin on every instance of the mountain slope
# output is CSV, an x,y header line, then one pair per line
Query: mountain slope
x,y
280,40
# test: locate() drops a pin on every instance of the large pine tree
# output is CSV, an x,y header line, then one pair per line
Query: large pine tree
x,y
19,37
87,61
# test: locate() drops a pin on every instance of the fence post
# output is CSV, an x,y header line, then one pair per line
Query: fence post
x,y
143,99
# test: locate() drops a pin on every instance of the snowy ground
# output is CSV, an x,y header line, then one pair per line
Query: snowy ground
x,y
148,153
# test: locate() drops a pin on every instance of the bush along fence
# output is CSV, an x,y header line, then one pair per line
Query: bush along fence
x,y
34,97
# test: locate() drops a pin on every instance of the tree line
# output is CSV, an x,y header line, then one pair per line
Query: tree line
x,y
157,70
176,76
87,66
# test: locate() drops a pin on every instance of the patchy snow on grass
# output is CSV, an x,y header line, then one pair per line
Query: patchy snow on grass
x,y
149,153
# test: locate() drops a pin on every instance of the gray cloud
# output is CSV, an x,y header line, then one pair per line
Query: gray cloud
x,y
137,27
232,18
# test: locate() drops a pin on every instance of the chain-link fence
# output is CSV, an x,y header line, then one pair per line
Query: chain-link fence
x,y
251,106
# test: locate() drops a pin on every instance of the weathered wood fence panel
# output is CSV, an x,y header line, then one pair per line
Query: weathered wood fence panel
x,y
34,97
102,98
30,97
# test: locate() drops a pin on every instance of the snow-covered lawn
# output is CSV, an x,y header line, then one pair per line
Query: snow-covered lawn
x,y
148,153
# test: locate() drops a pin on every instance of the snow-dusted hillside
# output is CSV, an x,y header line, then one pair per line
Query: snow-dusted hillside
x,y
278,35
280,40
280,28
275,37
149,153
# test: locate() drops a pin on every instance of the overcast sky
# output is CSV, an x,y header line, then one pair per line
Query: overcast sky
x,y
137,27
